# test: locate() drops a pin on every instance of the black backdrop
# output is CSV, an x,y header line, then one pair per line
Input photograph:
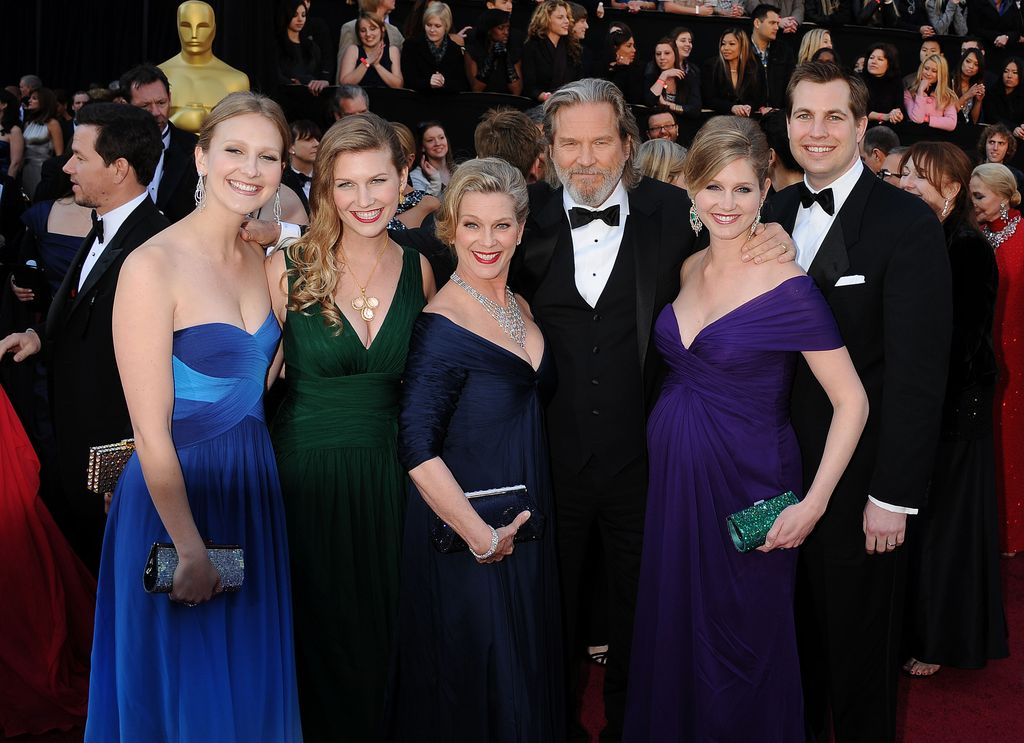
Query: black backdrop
x,y
71,43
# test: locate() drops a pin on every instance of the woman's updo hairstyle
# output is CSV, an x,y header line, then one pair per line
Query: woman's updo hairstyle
x,y
719,142
483,175
1000,179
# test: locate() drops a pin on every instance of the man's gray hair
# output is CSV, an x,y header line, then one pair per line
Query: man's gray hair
x,y
32,82
595,90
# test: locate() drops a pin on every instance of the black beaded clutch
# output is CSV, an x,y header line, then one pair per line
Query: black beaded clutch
x,y
158,577
749,527
498,507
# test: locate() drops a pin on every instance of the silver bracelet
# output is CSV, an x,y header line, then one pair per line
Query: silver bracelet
x,y
492,550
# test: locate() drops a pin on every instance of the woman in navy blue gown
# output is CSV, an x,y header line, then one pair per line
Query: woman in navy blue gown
x,y
714,646
479,634
194,336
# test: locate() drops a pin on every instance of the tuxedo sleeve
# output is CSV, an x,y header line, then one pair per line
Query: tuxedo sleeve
x,y
917,319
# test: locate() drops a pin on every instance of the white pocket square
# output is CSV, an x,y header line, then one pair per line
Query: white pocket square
x,y
850,280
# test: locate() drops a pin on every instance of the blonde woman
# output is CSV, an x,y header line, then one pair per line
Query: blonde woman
x,y
479,647
718,442
929,99
551,56
813,40
662,160
433,60
347,297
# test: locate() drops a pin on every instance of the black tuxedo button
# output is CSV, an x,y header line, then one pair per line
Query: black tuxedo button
x,y
596,350
597,317
596,412
594,382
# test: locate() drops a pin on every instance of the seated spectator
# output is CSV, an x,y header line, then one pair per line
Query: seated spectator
x,y
969,85
791,12
732,80
776,58
930,100
928,48
1004,103
826,54
493,62
551,57
436,161
828,14
688,7
947,17
662,160
510,135
997,146
912,16
783,169
12,140
433,60
813,40
878,142
348,100
414,205
619,64
379,9
669,85
373,62
997,22
299,59
882,77
875,13
662,125
633,6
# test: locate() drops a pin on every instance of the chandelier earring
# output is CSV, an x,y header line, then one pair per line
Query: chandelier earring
x,y
1004,211
695,223
945,208
277,206
201,192
757,219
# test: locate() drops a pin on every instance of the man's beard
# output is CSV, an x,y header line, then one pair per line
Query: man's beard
x,y
594,195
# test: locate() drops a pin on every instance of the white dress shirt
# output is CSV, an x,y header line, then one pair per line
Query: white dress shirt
x,y
158,174
112,222
812,224
595,246
307,184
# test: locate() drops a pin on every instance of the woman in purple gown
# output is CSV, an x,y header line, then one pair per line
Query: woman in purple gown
x,y
714,648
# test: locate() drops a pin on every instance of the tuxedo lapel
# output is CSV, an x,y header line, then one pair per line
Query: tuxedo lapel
x,y
831,260
175,162
552,225
110,253
642,229
70,281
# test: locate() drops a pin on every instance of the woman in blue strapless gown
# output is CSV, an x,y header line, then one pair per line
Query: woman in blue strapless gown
x,y
714,645
199,664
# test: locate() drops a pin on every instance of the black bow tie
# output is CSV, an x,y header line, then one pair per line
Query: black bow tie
x,y
578,216
97,226
824,198
303,178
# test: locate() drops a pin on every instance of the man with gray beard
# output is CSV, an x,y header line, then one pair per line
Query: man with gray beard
x,y
600,258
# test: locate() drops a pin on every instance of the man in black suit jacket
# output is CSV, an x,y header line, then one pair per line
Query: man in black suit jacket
x,y
174,182
600,258
879,257
116,149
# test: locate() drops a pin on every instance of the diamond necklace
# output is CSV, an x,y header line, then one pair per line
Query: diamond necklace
x,y
364,305
509,319
996,239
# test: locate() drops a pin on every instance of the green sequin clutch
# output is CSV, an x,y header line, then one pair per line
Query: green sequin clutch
x,y
749,527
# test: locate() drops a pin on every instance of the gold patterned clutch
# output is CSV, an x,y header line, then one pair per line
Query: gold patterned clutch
x,y
106,464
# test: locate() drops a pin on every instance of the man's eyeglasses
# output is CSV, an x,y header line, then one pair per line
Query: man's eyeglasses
x,y
885,173
662,128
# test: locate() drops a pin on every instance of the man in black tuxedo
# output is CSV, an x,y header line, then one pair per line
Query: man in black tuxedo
x,y
879,257
173,185
115,150
600,258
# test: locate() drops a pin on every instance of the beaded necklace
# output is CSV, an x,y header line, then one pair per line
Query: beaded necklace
x,y
509,318
996,239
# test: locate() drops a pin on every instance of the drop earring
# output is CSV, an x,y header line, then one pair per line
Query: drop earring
x,y
757,219
945,209
277,206
1004,212
200,194
695,223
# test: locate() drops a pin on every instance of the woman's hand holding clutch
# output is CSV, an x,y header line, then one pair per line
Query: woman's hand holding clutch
x,y
195,579
792,526
506,539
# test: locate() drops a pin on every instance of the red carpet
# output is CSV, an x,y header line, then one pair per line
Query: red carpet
x,y
953,706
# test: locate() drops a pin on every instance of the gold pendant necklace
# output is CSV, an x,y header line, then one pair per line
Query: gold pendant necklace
x,y
365,305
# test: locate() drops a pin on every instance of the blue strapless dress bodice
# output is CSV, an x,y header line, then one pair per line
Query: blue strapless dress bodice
x,y
224,670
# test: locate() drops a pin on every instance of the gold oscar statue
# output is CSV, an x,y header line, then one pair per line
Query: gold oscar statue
x,y
198,79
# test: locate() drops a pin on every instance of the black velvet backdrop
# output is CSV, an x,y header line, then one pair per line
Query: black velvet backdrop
x,y
71,43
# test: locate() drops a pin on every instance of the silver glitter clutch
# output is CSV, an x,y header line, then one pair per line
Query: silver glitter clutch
x,y
158,576
749,527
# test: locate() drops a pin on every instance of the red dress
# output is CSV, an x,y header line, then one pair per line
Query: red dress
x,y
1008,338
47,600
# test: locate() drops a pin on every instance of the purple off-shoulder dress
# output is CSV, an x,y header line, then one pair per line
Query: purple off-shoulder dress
x,y
714,649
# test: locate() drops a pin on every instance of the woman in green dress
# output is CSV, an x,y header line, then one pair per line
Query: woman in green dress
x,y
346,296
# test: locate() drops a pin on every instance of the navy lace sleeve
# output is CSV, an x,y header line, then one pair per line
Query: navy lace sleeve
x,y
431,388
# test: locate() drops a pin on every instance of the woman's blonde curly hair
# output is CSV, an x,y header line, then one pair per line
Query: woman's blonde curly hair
x,y
315,271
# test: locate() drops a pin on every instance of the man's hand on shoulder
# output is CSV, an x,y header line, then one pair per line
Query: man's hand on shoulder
x,y
769,241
